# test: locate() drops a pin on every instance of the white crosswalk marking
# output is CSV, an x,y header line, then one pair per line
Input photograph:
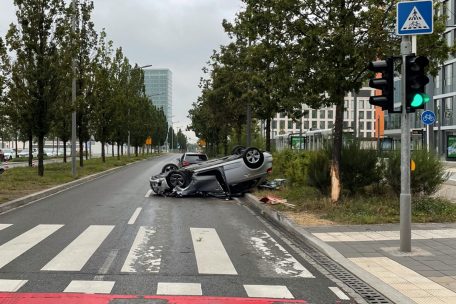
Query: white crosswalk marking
x,y
339,293
277,257
211,256
76,254
11,285
134,216
3,226
179,289
148,193
268,291
17,246
90,286
143,256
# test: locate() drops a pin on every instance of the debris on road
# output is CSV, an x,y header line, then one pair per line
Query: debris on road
x,y
274,184
274,200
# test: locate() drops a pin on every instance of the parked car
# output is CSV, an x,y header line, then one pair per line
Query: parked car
x,y
50,152
8,154
231,175
25,153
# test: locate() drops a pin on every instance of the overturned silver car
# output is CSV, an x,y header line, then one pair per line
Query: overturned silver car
x,y
231,175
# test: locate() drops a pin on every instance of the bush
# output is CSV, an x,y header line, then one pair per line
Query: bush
x,y
359,168
318,170
291,165
427,178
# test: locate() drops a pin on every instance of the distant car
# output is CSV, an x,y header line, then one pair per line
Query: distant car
x,y
8,154
50,152
25,153
190,158
236,174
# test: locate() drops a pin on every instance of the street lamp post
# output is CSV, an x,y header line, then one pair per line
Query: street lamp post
x,y
128,140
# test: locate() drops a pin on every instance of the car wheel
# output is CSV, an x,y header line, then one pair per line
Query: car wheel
x,y
253,158
237,150
155,189
177,178
169,167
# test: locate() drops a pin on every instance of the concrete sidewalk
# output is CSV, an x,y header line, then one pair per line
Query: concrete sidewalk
x,y
426,275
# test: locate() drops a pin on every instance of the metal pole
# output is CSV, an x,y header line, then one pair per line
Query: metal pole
x,y
405,197
355,114
172,137
73,100
249,125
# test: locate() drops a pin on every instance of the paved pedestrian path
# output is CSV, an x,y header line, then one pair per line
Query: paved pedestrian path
x,y
426,275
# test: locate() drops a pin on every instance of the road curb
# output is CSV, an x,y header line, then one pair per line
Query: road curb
x,y
31,198
288,225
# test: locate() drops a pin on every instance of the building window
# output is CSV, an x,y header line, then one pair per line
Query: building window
x,y
314,113
448,74
306,125
314,124
369,114
330,114
290,124
282,115
282,125
361,114
330,125
369,126
322,113
274,124
322,124
437,81
361,125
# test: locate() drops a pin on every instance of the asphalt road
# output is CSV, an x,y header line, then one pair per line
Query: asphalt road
x,y
108,236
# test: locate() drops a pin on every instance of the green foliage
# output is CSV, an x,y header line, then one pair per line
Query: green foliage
x,y
292,165
428,176
318,170
359,167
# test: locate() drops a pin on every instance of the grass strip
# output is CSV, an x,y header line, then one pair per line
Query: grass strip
x,y
368,208
21,181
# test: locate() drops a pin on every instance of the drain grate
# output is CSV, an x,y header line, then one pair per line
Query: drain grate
x,y
369,294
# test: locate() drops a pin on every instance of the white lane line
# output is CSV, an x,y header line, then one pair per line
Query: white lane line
x,y
179,289
134,216
4,226
277,257
211,256
148,193
144,256
11,285
106,265
90,286
268,291
78,252
17,246
339,293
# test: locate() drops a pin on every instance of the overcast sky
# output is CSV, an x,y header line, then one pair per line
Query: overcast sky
x,y
175,34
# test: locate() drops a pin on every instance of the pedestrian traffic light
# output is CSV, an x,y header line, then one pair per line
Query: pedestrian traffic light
x,y
415,81
385,83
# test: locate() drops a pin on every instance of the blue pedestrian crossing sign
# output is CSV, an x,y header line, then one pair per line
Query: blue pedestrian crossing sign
x,y
415,18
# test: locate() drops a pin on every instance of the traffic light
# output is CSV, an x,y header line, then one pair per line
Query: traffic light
x,y
415,81
385,83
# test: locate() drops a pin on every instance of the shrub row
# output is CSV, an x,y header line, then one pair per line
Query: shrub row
x,y
360,169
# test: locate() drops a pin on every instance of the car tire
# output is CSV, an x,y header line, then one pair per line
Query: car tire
x,y
154,189
253,158
237,150
169,168
177,178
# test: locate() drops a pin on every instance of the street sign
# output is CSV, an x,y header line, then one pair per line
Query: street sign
x,y
428,117
149,141
415,18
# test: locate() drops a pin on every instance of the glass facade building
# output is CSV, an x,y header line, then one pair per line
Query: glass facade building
x,y
159,89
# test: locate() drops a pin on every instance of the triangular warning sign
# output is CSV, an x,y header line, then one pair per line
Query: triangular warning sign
x,y
415,21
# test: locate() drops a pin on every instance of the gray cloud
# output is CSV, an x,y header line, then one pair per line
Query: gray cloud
x,y
175,34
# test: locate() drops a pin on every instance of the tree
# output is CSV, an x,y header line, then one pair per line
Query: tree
x,y
101,95
181,141
34,41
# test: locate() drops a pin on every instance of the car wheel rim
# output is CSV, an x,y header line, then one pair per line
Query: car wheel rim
x,y
176,180
168,168
253,157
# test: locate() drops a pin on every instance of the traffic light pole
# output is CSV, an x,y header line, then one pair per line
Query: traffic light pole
x,y
405,197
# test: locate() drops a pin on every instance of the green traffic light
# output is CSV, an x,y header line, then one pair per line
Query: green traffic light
x,y
419,99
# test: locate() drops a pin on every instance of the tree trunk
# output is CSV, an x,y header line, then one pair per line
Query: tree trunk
x,y
86,151
103,156
40,155
118,152
16,144
64,151
239,135
268,134
121,149
81,153
30,157
136,151
337,151
112,149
